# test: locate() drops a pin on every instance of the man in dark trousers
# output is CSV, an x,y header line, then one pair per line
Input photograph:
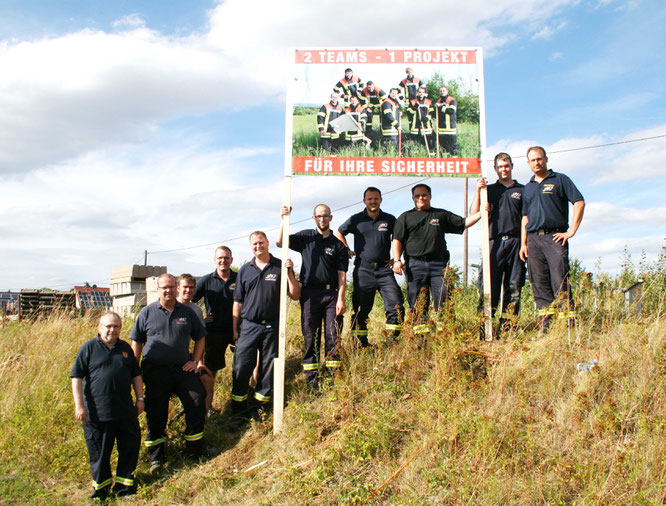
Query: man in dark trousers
x,y
102,377
546,233
162,334
323,279
420,234
372,229
217,290
446,116
391,119
421,111
507,270
329,138
256,317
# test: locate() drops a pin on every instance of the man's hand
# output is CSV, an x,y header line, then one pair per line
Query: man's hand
x,y
340,308
351,253
481,183
397,266
140,406
189,366
523,253
289,264
284,211
389,263
562,237
209,318
80,413
202,368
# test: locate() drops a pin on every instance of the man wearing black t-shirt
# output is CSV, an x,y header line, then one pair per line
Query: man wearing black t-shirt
x,y
372,229
419,234
162,334
507,270
323,279
102,376
546,232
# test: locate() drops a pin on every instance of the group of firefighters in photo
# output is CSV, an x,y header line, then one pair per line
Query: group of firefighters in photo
x,y
432,124
527,223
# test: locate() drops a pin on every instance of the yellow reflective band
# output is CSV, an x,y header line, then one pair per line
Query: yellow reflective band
x,y
310,367
154,442
333,363
125,481
262,398
421,329
98,486
439,326
546,312
239,398
392,326
359,332
567,314
193,437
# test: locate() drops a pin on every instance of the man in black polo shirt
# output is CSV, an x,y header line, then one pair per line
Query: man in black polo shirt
x,y
323,278
419,233
256,317
372,230
507,270
102,375
546,232
217,290
162,333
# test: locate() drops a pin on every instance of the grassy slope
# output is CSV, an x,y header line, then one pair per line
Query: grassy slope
x,y
516,425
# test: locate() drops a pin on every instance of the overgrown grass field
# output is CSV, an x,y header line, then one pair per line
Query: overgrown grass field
x,y
455,421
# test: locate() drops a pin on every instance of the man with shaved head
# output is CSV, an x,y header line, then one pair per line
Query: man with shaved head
x,y
162,334
102,377
323,278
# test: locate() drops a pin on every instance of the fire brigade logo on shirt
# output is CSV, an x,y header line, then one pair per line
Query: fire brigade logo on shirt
x,y
382,227
232,286
125,354
329,251
271,277
181,321
548,188
516,195
435,222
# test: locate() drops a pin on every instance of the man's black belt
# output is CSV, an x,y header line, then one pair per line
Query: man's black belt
x,y
546,231
373,265
427,258
321,286
264,322
506,237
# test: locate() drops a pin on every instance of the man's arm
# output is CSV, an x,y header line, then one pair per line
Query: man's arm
x,y
284,211
342,286
236,316
137,381
472,219
80,412
137,347
293,286
343,240
523,238
396,248
476,202
578,209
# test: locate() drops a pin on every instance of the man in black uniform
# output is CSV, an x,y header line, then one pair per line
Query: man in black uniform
x,y
507,270
546,232
330,139
421,110
409,86
391,119
162,333
372,230
256,318
348,87
446,114
217,290
104,371
323,279
372,96
419,233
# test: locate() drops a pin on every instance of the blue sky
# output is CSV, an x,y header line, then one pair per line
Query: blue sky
x,y
127,126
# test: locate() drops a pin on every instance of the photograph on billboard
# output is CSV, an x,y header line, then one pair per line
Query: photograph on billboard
x,y
390,111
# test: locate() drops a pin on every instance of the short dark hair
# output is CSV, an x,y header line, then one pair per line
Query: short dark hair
x,y
186,277
225,248
537,147
348,70
422,185
369,83
502,156
372,189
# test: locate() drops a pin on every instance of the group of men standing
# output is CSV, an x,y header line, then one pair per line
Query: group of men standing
x,y
527,223
432,124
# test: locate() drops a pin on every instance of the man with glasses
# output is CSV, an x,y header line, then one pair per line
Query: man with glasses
x,y
545,233
217,290
162,334
420,234
323,278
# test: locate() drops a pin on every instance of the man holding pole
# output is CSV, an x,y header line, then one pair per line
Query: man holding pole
x,y
421,127
372,230
324,279
546,233
420,234
446,112
507,270
391,124
256,315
